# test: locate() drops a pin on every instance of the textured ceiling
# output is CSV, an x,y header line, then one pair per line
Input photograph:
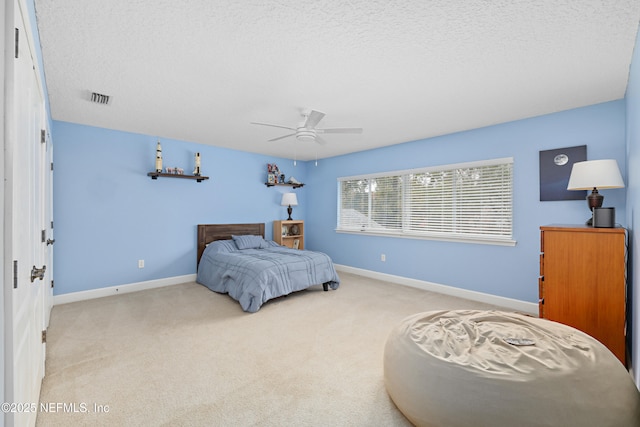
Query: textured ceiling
x,y
202,70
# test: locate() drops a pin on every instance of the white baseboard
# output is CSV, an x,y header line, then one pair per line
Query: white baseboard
x,y
513,304
121,289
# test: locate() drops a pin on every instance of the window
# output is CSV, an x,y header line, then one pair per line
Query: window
x,y
469,202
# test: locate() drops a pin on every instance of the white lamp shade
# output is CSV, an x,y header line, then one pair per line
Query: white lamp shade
x,y
289,199
595,174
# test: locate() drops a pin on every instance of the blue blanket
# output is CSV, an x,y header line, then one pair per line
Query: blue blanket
x,y
254,276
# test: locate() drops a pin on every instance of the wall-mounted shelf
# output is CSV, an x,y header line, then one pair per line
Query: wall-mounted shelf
x,y
155,175
273,184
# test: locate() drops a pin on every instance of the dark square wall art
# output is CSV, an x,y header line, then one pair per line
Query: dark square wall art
x,y
555,170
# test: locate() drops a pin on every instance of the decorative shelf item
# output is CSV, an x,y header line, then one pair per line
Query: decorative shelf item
x,y
175,172
286,184
196,171
158,157
275,177
155,175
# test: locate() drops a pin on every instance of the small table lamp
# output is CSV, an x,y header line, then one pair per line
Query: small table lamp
x,y
289,199
594,174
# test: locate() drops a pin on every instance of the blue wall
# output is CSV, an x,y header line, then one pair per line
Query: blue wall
x,y
505,271
108,213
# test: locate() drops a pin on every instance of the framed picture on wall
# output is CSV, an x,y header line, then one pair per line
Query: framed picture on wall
x,y
555,170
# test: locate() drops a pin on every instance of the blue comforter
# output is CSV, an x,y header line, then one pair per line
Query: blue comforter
x,y
254,276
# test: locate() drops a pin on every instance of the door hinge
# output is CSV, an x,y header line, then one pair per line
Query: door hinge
x,y
38,273
52,284
15,274
52,225
43,236
51,165
43,136
17,38
44,336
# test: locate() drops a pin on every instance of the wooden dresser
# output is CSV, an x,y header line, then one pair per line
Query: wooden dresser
x,y
583,281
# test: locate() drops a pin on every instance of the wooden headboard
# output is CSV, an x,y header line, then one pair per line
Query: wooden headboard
x,y
208,233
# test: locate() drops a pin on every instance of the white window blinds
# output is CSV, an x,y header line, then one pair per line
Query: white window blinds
x,y
470,201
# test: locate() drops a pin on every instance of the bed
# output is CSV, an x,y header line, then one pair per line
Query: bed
x,y
235,259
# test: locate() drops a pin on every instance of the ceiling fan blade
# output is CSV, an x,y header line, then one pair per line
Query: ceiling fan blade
x,y
281,137
320,140
274,126
340,130
313,119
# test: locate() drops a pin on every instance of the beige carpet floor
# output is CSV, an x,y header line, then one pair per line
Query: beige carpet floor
x,y
185,356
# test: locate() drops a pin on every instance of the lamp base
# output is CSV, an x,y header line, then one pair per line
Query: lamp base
x,y
289,211
595,199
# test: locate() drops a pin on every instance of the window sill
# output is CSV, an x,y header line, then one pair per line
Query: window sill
x,y
482,240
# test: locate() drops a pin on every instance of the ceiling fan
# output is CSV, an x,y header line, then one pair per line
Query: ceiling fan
x,y
307,130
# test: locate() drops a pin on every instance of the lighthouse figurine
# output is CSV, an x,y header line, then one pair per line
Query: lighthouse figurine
x,y
158,158
196,171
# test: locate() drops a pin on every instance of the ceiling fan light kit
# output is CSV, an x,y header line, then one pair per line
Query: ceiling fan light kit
x,y
304,134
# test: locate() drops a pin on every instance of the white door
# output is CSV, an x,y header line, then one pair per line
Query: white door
x,y
24,217
47,168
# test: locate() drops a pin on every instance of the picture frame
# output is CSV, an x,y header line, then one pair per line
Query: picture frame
x,y
296,244
555,170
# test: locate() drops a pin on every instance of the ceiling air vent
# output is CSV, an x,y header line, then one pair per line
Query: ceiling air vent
x,y
98,98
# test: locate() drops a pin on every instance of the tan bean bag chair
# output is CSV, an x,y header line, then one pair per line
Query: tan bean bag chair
x,y
498,369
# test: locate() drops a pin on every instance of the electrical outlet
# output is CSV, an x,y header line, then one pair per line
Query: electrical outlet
x,y
140,263
383,257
